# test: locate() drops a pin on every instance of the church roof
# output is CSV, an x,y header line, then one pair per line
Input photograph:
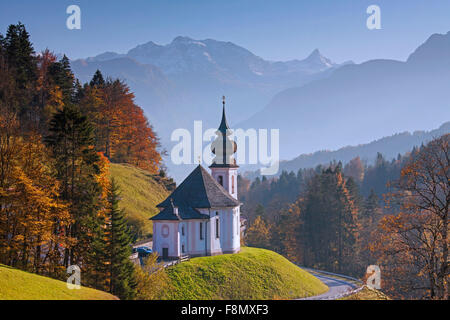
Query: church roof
x,y
199,190
223,127
184,213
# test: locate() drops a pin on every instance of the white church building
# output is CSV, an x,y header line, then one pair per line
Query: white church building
x,y
202,215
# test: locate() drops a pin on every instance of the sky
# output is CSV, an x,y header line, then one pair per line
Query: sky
x,y
273,30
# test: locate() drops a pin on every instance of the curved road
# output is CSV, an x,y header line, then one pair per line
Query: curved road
x,y
338,287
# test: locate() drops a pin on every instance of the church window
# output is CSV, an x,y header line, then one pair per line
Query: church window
x,y
232,184
182,230
201,230
221,180
217,228
182,248
165,231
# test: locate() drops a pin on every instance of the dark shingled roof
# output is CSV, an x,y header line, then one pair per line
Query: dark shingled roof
x,y
184,213
200,190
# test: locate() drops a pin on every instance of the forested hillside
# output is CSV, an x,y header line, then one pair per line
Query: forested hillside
x,y
58,138
393,213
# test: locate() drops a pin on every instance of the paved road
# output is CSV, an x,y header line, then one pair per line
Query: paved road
x,y
337,287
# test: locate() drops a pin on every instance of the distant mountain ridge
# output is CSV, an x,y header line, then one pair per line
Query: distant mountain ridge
x,y
185,54
361,102
184,81
390,147
187,77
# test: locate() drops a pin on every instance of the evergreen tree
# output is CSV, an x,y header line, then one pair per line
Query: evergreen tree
x,y
97,80
63,77
71,141
121,269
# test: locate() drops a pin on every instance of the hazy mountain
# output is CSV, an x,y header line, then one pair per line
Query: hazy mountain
x,y
390,147
359,103
184,81
148,82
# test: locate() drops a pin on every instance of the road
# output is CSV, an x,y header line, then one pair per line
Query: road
x,y
338,287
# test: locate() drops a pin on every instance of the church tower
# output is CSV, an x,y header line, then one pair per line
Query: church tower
x,y
223,167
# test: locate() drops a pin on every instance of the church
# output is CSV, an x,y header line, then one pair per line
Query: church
x,y
202,215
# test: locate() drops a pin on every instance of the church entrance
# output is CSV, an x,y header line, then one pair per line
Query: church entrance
x,y
165,253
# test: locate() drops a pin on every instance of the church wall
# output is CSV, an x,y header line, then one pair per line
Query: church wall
x,y
228,175
166,234
195,245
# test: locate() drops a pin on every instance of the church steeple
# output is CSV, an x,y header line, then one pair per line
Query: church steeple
x,y
223,147
223,127
224,168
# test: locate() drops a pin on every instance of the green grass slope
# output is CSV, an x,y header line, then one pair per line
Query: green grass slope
x,y
367,294
251,274
140,193
20,285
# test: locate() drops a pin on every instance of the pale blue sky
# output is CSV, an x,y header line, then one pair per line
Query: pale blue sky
x,y
275,30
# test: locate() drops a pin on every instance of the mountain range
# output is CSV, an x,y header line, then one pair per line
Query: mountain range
x,y
188,77
390,147
316,103
362,102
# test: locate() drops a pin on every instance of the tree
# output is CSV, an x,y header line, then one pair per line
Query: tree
x,y
97,79
355,170
32,218
77,165
413,244
258,234
330,221
152,280
122,280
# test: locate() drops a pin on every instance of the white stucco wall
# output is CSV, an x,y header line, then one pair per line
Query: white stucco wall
x,y
166,234
228,175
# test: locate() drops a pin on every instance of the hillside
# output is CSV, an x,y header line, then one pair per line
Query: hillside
x,y
367,294
390,147
251,274
20,285
140,193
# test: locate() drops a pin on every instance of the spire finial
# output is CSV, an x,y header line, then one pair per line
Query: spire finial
x,y
223,124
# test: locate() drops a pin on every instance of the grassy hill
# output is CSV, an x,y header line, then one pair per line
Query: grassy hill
x,y
367,294
251,274
20,285
140,193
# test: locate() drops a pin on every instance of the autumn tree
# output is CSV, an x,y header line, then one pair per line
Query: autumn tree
x,y
32,218
152,280
413,244
330,218
258,234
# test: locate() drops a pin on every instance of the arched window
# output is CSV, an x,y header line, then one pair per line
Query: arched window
x,y
220,178
232,184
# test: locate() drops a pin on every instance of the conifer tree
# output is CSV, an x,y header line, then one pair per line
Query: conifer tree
x,y
71,141
121,269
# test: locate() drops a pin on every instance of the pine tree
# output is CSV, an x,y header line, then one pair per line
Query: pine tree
x,y
121,269
97,79
71,141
